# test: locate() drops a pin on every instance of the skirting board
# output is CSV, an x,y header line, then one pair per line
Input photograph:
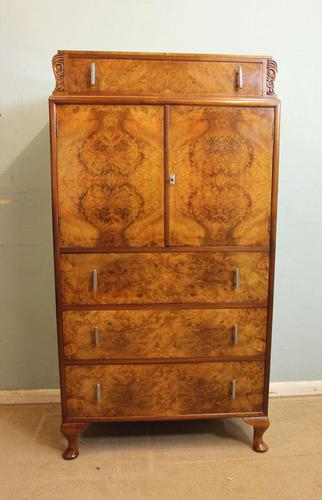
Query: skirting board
x,y
295,388
276,389
22,396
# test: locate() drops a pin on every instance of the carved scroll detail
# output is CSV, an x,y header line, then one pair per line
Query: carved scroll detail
x,y
58,68
270,76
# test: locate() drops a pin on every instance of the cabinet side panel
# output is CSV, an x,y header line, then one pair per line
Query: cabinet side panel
x,y
272,252
55,221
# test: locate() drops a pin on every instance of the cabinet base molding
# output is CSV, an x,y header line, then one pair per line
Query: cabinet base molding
x,y
260,425
71,431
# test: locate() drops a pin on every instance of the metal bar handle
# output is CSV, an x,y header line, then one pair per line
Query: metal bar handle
x,y
237,278
96,336
233,389
93,75
235,334
240,80
95,280
98,393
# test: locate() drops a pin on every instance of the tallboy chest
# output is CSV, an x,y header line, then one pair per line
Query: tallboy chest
x,y
164,184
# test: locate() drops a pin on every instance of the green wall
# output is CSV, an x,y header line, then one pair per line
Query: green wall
x,y
31,32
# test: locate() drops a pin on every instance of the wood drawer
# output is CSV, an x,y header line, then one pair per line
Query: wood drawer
x,y
143,278
164,389
162,77
135,334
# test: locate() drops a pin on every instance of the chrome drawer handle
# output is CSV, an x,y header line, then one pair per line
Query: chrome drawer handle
x,y
239,76
94,280
96,336
235,334
172,179
98,393
237,277
233,389
93,75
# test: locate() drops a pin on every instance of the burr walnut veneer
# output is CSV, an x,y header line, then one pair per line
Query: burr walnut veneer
x,y
164,184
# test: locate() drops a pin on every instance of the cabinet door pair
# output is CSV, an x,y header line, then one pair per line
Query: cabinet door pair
x,y
114,164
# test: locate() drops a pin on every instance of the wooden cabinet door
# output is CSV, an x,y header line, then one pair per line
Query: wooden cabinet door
x,y
222,161
110,175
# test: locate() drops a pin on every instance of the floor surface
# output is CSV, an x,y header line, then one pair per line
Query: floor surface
x,y
163,460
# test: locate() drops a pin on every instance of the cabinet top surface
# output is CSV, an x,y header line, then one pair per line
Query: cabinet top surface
x,y
163,55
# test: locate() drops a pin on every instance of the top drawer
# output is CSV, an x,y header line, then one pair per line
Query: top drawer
x,y
161,77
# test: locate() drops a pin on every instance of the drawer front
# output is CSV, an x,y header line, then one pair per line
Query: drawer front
x,y
153,77
144,278
135,334
163,389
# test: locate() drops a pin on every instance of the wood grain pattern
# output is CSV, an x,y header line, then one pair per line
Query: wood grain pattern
x,y
222,160
225,101
55,227
110,175
161,389
166,278
155,77
272,254
165,303
135,334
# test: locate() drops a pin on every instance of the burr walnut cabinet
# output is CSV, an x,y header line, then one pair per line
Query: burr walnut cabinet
x,y
164,185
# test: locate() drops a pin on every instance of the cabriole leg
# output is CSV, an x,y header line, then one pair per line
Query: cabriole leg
x,y
71,431
260,425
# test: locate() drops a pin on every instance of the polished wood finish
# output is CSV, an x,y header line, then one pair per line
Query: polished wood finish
x,y
169,56
155,77
71,431
162,306
226,101
272,255
169,74
163,278
110,175
222,160
56,245
195,249
260,425
164,389
137,334
165,255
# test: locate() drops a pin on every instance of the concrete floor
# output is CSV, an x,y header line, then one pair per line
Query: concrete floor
x,y
168,460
